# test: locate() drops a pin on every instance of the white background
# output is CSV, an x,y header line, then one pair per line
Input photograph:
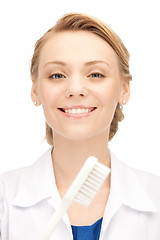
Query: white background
x,y
22,127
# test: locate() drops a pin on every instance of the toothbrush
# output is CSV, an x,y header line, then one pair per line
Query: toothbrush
x,y
82,190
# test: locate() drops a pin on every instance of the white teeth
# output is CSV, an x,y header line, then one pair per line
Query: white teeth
x,y
77,111
73,111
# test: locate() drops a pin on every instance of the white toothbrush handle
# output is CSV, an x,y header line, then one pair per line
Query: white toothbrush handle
x,y
71,195
55,219
66,201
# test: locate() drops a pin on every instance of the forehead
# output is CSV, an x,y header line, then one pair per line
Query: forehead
x,y
77,47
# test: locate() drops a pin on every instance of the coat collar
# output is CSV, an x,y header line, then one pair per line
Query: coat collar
x,y
127,188
37,183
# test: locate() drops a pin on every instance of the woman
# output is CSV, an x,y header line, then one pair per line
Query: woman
x,y
80,74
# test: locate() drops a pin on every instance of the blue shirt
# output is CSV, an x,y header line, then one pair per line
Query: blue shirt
x,y
91,232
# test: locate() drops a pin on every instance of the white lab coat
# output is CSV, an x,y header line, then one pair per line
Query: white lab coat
x,y
29,196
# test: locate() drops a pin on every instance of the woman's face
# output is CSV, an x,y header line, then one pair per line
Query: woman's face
x,y
78,84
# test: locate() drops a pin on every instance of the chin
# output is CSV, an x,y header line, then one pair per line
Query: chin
x,y
76,137
80,136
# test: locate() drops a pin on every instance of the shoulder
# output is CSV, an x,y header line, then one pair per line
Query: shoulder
x,y
137,188
11,180
146,177
8,184
151,184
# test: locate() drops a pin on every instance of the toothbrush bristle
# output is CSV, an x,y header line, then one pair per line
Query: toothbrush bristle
x,y
92,184
82,190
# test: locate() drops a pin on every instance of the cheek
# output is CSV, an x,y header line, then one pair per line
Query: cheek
x,y
108,93
49,95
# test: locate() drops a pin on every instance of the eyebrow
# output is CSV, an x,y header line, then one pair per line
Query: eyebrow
x,y
96,62
86,64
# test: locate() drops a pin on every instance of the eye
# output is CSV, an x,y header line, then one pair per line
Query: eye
x,y
97,75
56,75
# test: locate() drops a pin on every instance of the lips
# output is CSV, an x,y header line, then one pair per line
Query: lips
x,y
77,111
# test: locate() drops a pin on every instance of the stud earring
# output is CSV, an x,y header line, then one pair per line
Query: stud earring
x,y
121,107
35,103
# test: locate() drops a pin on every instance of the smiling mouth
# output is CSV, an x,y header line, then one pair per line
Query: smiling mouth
x,y
77,110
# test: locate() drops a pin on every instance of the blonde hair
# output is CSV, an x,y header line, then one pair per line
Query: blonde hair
x,y
75,22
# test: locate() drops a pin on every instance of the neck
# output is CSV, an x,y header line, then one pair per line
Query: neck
x,y
69,155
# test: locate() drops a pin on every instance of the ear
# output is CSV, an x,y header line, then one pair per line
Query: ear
x,y
34,93
125,92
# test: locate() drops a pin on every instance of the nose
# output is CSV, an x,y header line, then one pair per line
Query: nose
x,y
76,88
